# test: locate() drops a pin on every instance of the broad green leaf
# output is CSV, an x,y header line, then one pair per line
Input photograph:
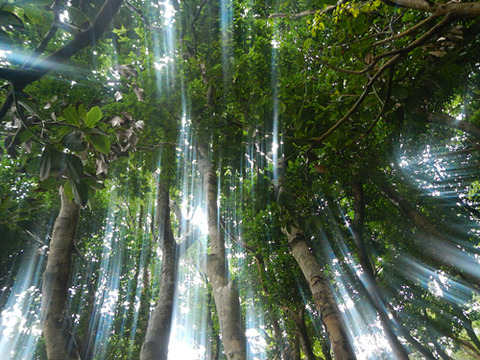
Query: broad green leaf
x,y
34,14
82,112
99,142
74,167
71,116
26,135
49,184
80,192
93,116
74,141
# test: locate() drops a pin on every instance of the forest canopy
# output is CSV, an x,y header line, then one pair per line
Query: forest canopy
x,y
238,180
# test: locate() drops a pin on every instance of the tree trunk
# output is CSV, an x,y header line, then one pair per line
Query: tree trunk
x,y
370,285
155,346
322,295
59,341
305,342
438,245
225,292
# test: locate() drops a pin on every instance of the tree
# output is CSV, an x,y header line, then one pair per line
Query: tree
x,y
336,145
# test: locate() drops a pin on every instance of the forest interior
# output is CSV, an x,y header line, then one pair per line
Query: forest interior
x,y
239,179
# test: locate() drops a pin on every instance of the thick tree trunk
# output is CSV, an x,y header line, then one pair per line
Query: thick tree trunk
x,y
157,337
225,292
322,295
59,341
370,284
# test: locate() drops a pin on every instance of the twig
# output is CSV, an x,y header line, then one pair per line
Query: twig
x,y
300,14
140,14
407,32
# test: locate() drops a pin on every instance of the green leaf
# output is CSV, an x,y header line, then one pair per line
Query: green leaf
x,y
45,164
71,116
67,187
307,43
30,106
74,141
99,142
49,184
34,14
74,167
82,112
80,192
93,116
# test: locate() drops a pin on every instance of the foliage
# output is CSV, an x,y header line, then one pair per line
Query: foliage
x,y
299,102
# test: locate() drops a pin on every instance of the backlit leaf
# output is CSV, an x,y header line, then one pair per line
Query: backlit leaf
x,y
93,116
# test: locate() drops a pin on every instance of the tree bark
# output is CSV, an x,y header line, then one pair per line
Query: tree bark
x,y
457,9
305,343
369,282
59,341
225,292
322,295
155,346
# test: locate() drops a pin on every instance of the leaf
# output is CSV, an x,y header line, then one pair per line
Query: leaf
x,y
74,167
93,116
74,141
139,92
30,106
117,121
82,112
118,96
67,187
45,164
71,116
34,14
80,192
49,184
99,142
307,43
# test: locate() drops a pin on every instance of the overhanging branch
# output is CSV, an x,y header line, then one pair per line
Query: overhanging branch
x,y
21,78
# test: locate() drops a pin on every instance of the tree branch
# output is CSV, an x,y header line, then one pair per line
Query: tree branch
x,y
462,10
21,78
452,122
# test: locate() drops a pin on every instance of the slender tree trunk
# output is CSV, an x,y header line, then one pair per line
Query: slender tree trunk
x,y
225,292
427,353
157,337
305,343
438,245
370,284
322,295
59,341
277,331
